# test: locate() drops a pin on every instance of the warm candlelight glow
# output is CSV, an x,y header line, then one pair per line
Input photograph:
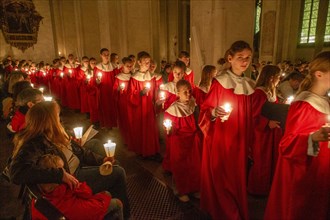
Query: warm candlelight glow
x,y
227,107
41,89
88,77
70,71
148,85
162,95
61,74
48,98
32,85
78,132
110,148
289,100
168,125
99,75
122,86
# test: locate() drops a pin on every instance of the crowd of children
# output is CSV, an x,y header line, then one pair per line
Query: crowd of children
x,y
212,129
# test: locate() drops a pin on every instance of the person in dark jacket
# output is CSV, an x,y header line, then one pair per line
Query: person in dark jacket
x,y
44,134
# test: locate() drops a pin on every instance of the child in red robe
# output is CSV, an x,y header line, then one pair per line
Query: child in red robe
x,y
71,83
184,141
267,133
208,73
189,74
84,75
78,203
301,185
120,88
93,95
144,131
104,76
226,122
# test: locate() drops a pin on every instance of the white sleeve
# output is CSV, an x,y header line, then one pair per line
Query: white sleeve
x,y
313,148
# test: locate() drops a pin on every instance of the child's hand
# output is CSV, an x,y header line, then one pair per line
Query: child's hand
x,y
144,91
323,134
273,124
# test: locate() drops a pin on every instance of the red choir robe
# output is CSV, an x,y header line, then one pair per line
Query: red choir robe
x,y
170,92
225,151
108,117
71,84
142,117
301,185
264,148
199,94
18,120
121,99
189,76
184,142
79,203
93,94
83,85
56,85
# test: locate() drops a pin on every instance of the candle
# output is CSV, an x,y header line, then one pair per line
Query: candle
x,y
70,72
110,148
88,77
32,85
148,85
122,86
289,100
43,73
168,125
26,69
48,98
227,107
61,74
162,95
78,132
41,89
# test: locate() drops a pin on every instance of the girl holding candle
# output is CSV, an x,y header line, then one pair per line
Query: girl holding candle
x,y
225,151
200,91
44,134
169,89
141,111
121,98
301,185
267,133
184,143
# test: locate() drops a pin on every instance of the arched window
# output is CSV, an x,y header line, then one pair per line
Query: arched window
x,y
309,22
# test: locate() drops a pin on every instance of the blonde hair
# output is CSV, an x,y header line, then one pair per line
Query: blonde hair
x,y
320,63
43,120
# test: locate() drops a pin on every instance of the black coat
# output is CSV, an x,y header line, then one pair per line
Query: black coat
x,y
23,168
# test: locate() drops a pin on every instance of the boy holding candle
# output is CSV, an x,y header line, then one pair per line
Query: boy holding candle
x,y
104,78
121,98
141,112
183,143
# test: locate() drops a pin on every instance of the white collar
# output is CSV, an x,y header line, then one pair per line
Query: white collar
x,y
123,76
320,103
179,109
170,87
139,76
104,67
241,85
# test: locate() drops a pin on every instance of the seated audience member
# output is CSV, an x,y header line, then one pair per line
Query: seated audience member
x,y
44,134
290,86
25,100
77,203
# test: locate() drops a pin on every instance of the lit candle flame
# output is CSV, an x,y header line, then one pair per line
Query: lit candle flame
x,y
99,75
78,132
61,74
148,85
227,107
162,95
32,85
122,86
289,100
168,125
41,89
48,98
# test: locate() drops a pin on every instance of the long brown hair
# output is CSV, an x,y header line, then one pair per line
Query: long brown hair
x,y
320,63
206,78
43,120
268,73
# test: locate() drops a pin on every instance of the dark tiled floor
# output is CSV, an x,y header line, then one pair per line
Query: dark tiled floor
x,y
149,189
